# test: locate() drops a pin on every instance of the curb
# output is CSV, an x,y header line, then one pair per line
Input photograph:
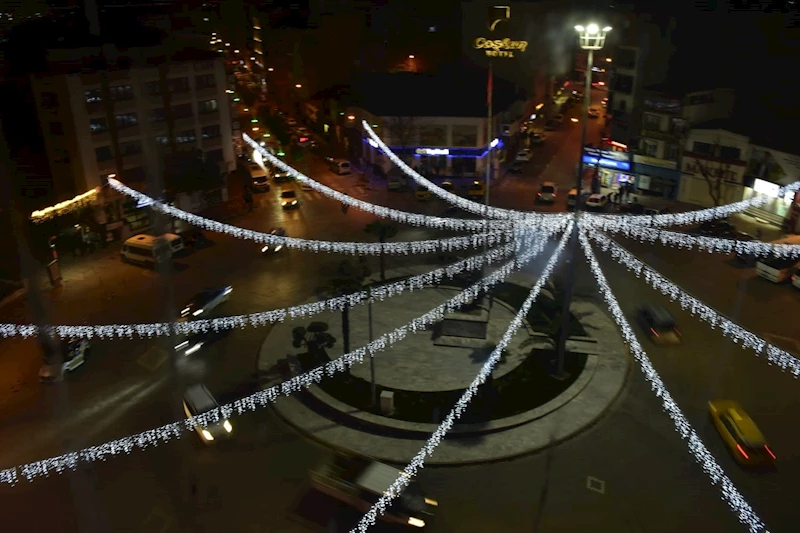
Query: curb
x,y
14,296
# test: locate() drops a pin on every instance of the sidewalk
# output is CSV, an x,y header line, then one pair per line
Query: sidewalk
x,y
417,364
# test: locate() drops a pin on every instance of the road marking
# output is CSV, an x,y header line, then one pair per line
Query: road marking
x,y
159,518
153,358
595,485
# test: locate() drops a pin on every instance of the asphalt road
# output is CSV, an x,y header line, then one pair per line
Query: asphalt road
x,y
257,481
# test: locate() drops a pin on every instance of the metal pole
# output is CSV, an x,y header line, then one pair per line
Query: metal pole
x,y
573,245
487,181
371,357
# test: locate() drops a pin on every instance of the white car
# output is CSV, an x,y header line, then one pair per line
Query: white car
x,y
204,301
289,199
524,155
74,353
257,171
596,202
594,112
197,401
547,193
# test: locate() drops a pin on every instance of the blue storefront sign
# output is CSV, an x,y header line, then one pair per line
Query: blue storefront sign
x,y
607,159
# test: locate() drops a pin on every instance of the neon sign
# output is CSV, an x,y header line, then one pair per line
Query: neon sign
x,y
499,47
432,151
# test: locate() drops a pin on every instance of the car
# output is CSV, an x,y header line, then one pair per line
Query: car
x,y
572,197
260,183
547,192
740,434
596,202
604,102
74,353
197,400
476,189
593,112
658,324
448,186
516,167
268,249
537,138
302,132
283,177
796,278
205,301
577,95
631,208
257,171
524,155
193,342
289,199
422,193
716,228
291,122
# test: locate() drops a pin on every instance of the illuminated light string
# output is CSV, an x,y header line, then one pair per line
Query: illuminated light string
x,y
716,320
416,219
159,329
418,461
353,248
707,244
463,203
261,399
730,494
67,206
607,222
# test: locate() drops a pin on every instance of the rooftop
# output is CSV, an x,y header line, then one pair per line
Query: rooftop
x,y
455,94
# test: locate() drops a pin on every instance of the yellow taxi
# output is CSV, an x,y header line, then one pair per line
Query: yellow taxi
x,y
476,189
422,194
740,433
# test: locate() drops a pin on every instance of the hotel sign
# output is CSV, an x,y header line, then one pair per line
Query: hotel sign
x,y
499,47
432,151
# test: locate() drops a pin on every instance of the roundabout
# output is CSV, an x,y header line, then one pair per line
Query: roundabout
x,y
341,417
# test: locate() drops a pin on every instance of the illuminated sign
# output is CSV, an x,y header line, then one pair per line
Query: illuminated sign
x,y
607,158
496,15
500,47
766,188
432,151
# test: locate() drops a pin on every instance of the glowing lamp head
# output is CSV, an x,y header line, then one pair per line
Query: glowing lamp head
x,y
297,85
351,117
270,69
411,56
592,29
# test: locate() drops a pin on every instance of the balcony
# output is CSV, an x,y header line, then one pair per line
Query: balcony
x,y
209,118
184,123
101,138
128,132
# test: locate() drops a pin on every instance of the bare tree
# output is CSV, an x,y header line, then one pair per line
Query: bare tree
x,y
715,174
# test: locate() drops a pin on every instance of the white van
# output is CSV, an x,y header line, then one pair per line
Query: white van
x,y
175,242
146,250
340,166
776,269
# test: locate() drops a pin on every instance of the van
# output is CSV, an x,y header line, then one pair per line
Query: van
x,y
775,269
146,250
340,166
175,242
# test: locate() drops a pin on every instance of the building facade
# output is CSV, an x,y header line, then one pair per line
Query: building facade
x,y
713,166
767,170
126,130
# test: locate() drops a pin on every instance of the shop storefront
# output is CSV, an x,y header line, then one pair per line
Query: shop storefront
x,y
656,177
613,168
776,209
453,161
768,170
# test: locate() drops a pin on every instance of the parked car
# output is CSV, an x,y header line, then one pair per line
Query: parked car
x,y
260,183
593,112
516,167
269,249
547,192
524,155
422,193
537,138
716,228
257,171
448,186
596,202
476,189
205,301
282,177
658,324
740,434
631,208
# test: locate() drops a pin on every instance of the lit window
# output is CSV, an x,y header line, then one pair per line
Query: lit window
x,y
210,132
126,120
186,136
93,96
119,93
98,125
207,106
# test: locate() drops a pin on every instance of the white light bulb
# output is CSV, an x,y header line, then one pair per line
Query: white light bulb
x,y
592,29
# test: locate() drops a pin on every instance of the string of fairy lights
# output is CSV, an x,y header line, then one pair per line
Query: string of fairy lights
x,y
520,234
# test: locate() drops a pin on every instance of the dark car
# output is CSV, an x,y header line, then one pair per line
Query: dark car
x,y
516,167
717,228
192,342
269,249
631,208
204,301
659,324
260,183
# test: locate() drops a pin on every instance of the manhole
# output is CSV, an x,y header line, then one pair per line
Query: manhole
x,y
596,485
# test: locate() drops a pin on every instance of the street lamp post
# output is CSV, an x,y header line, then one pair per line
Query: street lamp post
x,y
592,38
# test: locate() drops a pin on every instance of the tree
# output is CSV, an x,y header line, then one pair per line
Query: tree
x,y
382,231
314,337
715,174
275,126
350,277
403,131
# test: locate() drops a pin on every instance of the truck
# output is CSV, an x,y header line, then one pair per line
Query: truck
x,y
360,482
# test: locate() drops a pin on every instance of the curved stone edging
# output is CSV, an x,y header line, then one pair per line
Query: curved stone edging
x,y
418,429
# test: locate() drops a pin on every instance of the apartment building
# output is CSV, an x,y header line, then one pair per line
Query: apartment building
x,y
640,50
150,107
667,115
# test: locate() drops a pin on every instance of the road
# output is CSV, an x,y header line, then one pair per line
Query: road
x,y
257,482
